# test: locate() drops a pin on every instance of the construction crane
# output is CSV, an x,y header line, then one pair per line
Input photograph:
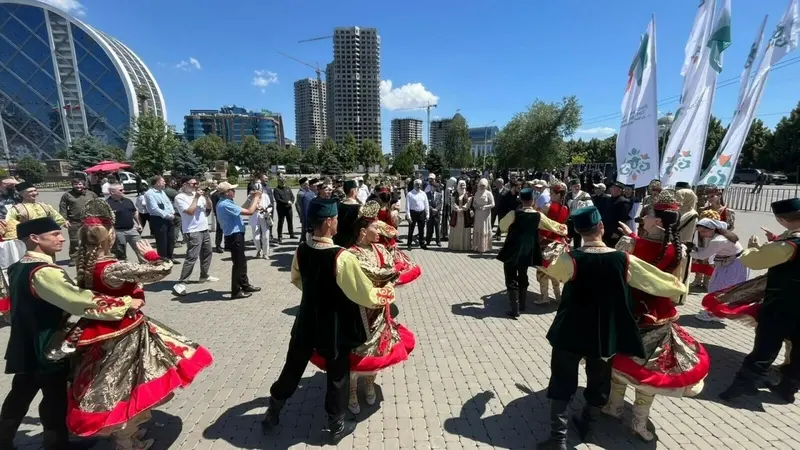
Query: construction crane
x,y
315,39
323,117
428,108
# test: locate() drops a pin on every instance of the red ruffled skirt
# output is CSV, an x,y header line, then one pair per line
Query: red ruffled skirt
x,y
389,343
120,377
408,270
676,367
5,311
740,302
702,267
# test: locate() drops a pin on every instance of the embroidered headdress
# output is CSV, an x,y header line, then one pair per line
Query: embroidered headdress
x,y
370,210
97,212
666,201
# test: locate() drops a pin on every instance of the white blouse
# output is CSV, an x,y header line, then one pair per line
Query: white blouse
x,y
719,246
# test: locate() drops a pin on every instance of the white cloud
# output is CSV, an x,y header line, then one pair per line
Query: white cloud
x,y
264,78
71,6
192,63
597,132
411,95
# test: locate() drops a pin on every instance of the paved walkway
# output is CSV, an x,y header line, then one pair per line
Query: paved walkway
x,y
475,380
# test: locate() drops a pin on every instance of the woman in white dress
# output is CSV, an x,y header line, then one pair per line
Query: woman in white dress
x,y
461,217
260,222
482,203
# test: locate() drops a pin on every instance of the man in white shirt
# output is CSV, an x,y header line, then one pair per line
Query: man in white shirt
x,y
417,212
194,206
363,191
431,179
543,199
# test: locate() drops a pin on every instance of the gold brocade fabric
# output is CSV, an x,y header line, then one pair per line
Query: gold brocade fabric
x,y
749,292
381,328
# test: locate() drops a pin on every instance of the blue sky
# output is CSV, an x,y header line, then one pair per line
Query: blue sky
x,y
489,60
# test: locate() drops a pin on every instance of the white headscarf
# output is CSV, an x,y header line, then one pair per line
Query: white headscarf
x,y
712,224
462,187
483,182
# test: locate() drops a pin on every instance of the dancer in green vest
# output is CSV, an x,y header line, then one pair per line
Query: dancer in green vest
x,y
779,315
521,249
594,324
42,298
329,320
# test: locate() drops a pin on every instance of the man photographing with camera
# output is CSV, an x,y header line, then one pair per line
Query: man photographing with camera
x,y
194,207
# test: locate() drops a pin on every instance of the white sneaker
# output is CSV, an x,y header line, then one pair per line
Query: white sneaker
x,y
706,317
179,289
208,279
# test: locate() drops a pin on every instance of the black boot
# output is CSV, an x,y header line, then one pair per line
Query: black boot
x,y
743,384
785,390
339,429
272,418
523,297
558,427
513,300
55,439
584,422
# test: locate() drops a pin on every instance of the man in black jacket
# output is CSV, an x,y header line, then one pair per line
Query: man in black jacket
x,y
508,201
618,210
284,199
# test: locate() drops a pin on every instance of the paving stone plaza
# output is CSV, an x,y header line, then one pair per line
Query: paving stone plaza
x,y
475,380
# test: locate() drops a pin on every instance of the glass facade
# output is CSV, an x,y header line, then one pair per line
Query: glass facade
x,y
233,124
61,79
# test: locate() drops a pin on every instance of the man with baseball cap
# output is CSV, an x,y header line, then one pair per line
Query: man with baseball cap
x,y
230,215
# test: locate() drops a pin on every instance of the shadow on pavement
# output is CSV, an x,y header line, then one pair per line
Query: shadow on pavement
x,y
693,322
525,421
206,295
303,419
164,428
291,311
724,364
496,305
283,261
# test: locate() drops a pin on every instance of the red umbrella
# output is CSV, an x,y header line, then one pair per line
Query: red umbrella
x,y
107,166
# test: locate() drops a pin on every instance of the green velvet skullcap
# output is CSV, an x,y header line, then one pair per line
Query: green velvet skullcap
x,y
350,184
786,206
322,208
526,194
585,218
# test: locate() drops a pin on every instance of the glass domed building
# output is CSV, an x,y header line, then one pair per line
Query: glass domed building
x,y
61,79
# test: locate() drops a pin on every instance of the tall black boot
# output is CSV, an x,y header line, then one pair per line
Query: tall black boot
x,y
513,300
558,427
785,389
339,429
523,297
272,418
744,383
584,422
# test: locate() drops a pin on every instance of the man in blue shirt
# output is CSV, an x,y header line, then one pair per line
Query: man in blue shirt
x,y
229,215
162,216
309,194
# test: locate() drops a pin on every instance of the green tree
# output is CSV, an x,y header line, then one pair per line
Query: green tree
x,y
185,162
254,155
311,158
404,162
234,153
153,144
273,152
457,144
347,152
31,169
434,162
87,151
755,146
716,133
289,156
329,163
784,151
535,138
232,175
209,149
369,154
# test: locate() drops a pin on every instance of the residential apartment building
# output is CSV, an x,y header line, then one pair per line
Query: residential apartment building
x,y
233,123
310,112
438,133
354,79
404,132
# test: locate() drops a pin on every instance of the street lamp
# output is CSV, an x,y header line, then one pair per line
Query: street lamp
x,y
485,139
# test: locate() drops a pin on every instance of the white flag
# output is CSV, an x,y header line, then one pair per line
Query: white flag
x,y
783,41
744,81
683,155
637,141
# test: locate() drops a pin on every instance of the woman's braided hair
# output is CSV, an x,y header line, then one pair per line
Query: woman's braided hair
x,y
91,236
665,208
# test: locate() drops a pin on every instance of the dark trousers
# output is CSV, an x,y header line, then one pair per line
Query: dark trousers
x,y
516,277
235,244
445,220
337,372
770,335
52,408
431,227
218,235
143,219
287,216
577,240
164,232
564,378
72,231
417,220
